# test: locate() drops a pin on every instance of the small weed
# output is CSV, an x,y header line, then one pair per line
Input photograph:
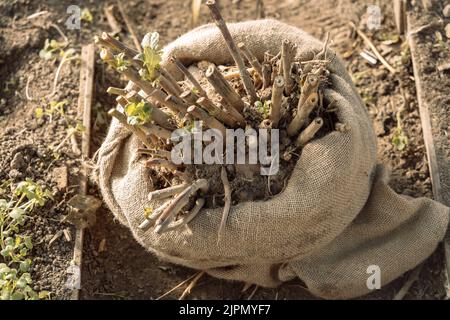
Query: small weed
x,y
15,279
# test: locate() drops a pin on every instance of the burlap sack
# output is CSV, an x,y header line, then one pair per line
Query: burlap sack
x,y
336,217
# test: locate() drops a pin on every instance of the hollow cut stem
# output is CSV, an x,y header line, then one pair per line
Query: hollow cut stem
x,y
309,133
277,99
223,88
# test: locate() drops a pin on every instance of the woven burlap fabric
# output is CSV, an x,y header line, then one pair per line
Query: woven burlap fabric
x,y
336,217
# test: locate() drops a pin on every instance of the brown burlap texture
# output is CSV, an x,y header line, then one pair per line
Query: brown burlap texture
x,y
336,217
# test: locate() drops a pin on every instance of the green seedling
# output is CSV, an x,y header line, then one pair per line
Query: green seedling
x,y
151,56
264,108
121,63
399,139
52,109
15,280
50,48
138,113
86,16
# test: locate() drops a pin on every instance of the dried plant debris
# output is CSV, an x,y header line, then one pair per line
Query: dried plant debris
x,y
278,98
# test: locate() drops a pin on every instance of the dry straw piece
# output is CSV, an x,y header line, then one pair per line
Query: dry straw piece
x,y
336,212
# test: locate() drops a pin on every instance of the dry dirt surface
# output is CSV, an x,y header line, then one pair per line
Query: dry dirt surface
x,y
115,266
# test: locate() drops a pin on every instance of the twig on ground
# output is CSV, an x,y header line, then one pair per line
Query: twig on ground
x,y
112,21
191,285
374,49
127,21
176,287
413,277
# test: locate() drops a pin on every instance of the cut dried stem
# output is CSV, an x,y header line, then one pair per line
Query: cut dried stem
x,y
373,48
189,97
137,131
199,203
113,43
250,58
116,91
223,88
155,153
308,134
166,74
266,71
246,79
303,114
166,193
233,112
163,163
153,129
191,285
277,99
217,112
188,76
288,51
178,203
209,121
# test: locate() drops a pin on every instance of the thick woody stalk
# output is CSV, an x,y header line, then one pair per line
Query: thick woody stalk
x,y
250,58
309,133
153,129
171,79
137,131
266,71
233,112
223,88
209,121
303,114
287,58
246,79
277,99
217,112
189,97
166,193
311,84
188,76
178,203
119,46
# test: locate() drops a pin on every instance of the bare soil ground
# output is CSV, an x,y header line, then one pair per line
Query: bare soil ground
x,y
115,266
